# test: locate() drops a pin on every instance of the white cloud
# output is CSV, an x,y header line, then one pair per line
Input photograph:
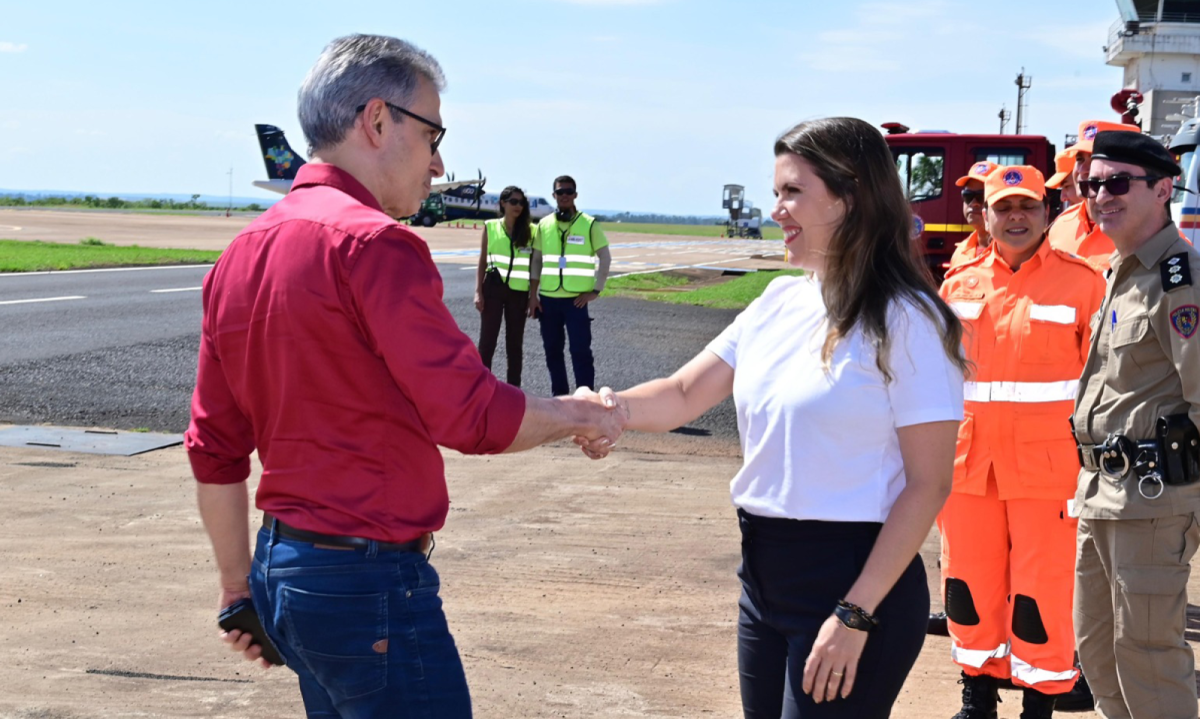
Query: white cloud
x,y
1083,41
890,36
12,47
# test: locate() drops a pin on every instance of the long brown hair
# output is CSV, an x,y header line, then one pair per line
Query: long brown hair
x,y
872,260
521,233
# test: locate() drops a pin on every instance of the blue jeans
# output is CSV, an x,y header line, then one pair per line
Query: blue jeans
x,y
364,630
559,320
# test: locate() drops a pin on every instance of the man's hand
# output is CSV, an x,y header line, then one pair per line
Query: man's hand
x,y
479,300
535,306
239,641
582,300
598,447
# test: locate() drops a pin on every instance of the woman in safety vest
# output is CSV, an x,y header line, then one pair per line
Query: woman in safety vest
x,y
502,280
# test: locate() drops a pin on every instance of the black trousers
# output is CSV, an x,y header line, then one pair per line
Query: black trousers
x,y
502,304
793,574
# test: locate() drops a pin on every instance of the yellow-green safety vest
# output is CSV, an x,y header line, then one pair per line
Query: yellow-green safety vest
x,y
568,261
511,262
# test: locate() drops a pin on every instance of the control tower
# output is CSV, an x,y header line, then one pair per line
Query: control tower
x,y
1157,42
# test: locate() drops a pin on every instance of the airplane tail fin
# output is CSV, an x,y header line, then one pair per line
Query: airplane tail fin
x,y
281,160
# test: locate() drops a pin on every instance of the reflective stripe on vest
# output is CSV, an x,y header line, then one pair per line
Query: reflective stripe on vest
x,y
1021,391
568,266
977,657
512,265
1030,674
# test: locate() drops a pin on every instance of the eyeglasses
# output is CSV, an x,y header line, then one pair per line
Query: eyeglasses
x,y
970,197
515,201
565,191
437,140
1116,186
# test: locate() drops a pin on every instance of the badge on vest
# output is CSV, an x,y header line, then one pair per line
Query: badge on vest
x,y
1185,319
576,240
524,250
562,262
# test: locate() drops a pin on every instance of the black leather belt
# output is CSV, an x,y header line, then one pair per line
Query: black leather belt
x,y
1120,458
420,544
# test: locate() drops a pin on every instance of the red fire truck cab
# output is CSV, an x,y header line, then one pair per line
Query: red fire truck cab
x,y
930,161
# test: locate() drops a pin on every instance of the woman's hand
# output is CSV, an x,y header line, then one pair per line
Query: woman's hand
x,y
833,662
479,300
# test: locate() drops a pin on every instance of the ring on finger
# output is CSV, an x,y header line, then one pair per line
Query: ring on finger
x,y
836,674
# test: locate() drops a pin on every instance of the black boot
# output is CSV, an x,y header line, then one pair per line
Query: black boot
x,y
938,624
1079,699
979,697
1036,705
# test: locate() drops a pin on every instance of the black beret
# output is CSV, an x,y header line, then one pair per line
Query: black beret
x,y
1134,148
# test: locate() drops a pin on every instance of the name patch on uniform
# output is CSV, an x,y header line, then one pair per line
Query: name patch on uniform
x,y
524,250
1175,271
576,240
967,310
1058,314
1185,320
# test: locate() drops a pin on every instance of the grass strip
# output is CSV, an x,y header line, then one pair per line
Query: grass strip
x,y
647,228
38,256
733,294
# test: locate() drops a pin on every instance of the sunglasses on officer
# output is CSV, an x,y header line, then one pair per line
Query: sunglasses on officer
x,y
1116,186
970,197
565,192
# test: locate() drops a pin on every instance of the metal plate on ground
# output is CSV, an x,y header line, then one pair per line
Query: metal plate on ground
x,y
88,441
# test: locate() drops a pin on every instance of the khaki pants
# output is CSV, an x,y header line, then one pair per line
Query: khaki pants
x,y
1130,613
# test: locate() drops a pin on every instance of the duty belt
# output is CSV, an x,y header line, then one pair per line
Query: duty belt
x,y
1120,457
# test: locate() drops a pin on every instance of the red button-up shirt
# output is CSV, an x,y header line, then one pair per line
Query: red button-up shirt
x,y
326,345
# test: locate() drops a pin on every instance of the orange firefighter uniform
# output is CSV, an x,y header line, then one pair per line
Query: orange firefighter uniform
x,y
1008,540
969,248
1075,231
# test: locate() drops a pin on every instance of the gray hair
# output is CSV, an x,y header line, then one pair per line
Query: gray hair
x,y
353,70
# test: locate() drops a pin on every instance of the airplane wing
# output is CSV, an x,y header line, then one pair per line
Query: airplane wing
x,y
445,186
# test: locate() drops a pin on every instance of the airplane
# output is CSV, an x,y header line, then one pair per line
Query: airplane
x,y
462,199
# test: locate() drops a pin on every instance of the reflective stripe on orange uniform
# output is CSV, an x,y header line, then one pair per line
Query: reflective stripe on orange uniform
x,y
1027,334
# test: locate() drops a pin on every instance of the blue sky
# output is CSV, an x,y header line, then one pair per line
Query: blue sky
x,y
653,105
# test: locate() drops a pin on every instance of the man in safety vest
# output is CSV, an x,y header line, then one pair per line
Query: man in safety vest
x,y
1063,179
570,266
1008,542
1075,230
973,212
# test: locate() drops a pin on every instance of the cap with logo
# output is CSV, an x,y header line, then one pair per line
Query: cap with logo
x,y
1136,149
1088,129
1064,166
979,171
1020,180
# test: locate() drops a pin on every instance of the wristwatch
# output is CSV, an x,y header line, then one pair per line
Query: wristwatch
x,y
854,616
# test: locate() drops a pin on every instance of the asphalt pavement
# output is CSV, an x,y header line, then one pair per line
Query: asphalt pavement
x,y
118,349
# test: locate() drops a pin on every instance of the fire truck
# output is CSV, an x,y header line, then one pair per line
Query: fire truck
x,y
929,161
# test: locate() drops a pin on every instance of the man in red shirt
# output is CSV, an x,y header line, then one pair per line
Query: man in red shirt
x,y
327,347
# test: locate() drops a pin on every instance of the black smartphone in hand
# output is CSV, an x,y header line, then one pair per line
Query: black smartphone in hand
x,y
242,616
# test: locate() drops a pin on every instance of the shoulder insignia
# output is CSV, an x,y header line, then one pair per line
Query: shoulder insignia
x,y
1175,272
1185,319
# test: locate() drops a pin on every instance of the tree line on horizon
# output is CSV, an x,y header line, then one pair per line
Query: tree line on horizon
x,y
116,203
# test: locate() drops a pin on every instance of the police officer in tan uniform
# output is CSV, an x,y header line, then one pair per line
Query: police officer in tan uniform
x,y
1136,419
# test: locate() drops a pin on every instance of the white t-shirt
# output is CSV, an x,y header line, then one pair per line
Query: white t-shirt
x,y
823,445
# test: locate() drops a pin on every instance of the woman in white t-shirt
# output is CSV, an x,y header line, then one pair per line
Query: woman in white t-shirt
x,y
848,386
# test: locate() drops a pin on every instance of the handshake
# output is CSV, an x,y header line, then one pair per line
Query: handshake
x,y
606,417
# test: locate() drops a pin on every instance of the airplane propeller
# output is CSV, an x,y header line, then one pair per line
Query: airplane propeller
x,y
479,190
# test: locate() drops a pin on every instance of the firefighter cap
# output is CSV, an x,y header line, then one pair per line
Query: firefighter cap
x,y
979,171
1136,149
1020,180
1088,129
1064,166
